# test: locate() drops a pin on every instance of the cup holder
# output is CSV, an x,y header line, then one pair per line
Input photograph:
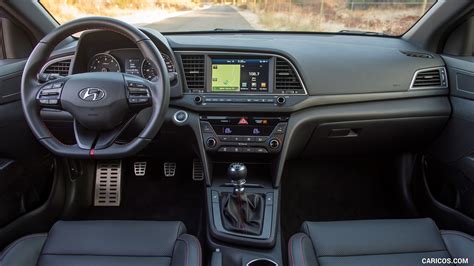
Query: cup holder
x,y
262,262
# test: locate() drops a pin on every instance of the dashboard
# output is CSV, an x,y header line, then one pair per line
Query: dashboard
x,y
268,72
281,95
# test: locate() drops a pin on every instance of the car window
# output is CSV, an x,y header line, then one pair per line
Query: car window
x,y
382,17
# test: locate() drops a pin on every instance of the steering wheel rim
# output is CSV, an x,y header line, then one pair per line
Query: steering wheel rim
x,y
159,89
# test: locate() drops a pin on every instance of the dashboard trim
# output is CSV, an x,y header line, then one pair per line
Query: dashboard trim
x,y
194,52
58,59
306,102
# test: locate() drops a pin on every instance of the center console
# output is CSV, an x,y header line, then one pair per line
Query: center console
x,y
243,211
243,101
243,134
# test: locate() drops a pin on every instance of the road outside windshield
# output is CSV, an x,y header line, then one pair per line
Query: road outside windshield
x,y
390,17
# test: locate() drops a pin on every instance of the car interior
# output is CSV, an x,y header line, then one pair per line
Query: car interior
x,y
123,146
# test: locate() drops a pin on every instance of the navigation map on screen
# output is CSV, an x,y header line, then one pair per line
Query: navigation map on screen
x,y
239,75
226,77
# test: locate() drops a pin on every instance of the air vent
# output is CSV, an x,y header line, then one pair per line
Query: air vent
x,y
416,54
286,80
193,66
58,67
430,78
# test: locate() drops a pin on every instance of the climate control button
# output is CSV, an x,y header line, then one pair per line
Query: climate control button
x,y
211,142
274,143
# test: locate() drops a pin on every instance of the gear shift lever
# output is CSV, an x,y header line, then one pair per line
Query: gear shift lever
x,y
237,172
242,212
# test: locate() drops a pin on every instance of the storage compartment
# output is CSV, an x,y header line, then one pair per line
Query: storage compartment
x,y
369,136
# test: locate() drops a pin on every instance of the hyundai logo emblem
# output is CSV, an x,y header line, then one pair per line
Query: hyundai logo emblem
x,y
91,94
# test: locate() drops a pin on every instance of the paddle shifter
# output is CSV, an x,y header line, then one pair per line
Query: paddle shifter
x,y
242,212
237,173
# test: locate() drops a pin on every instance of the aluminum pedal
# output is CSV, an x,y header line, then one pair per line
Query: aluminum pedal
x,y
169,169
198,170
108,183
139,168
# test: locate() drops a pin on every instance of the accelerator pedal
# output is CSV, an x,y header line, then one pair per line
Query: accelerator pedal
x,y
108,183
139,168
198,170
169,169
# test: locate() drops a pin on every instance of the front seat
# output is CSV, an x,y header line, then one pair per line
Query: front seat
x,y
378,242
106,243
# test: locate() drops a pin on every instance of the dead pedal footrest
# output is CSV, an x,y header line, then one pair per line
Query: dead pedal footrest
x,y
108,183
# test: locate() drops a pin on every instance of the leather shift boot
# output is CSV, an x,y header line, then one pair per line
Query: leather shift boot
x,y
243,212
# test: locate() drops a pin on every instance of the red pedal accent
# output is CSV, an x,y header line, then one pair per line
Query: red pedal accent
x,y
91,152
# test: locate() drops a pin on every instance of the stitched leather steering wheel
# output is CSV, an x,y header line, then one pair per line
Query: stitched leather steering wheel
x,y
102,104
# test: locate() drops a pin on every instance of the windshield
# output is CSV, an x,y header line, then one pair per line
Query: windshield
x,y
387,17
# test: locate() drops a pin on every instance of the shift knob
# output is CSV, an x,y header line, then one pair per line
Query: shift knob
x,y
237,172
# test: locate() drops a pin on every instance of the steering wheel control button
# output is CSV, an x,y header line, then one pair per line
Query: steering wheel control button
x,y
57,85
47,86
49,94
137,93
180,117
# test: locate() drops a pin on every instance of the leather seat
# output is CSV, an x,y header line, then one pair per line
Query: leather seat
x,y
377,242
106,243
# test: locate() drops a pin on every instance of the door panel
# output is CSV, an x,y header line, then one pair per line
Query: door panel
x,y
449,165
16,140
25,166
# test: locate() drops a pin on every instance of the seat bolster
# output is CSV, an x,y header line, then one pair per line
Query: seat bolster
x,y
301,251
361,237
113,238
24,251
459,245
187,251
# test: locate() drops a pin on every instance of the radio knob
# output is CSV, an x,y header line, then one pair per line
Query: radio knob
x,y
198,99
211,142
274,143
280,100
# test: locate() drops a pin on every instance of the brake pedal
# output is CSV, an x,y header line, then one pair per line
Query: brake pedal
x,y
108,183
198,170
139,168
169,169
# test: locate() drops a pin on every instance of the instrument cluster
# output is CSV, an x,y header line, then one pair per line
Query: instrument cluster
x,y
128,61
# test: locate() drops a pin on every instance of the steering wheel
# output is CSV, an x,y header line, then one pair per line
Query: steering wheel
x,y
102,104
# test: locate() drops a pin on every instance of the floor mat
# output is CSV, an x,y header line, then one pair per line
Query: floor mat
x,y
338,189
155,197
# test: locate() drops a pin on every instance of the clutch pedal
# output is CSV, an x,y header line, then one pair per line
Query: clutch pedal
x,y
198,170
169,169
108,183
139,168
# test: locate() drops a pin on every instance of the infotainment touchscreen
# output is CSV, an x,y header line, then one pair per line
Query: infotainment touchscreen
x,y
240,75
